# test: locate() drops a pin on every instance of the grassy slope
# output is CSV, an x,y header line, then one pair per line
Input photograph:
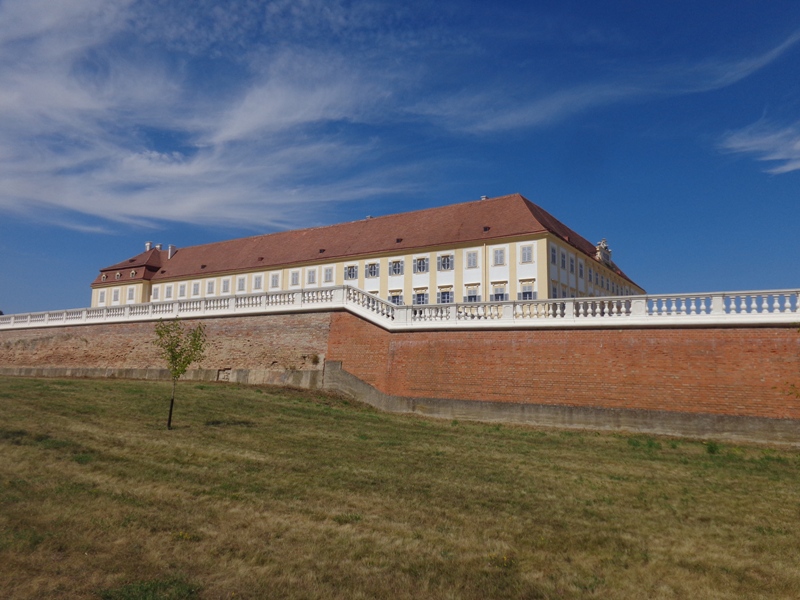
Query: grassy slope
x,y
264,493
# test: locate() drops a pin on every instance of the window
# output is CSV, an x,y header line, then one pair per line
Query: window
x,y
472,260
372,270
563,260
396,299
311,276
196,288
241,284
131,293
421,265
168,292
420,298
596,278
571,264
351,272
118,275
210,287
155,293
554,291
499,256
182,290
295,278
226,286
445,263
563,291
526,254
396,267
527,292
444,297
328,274
274,280
580,270
499,294
258,282
115,296
101,297
553,254
472,295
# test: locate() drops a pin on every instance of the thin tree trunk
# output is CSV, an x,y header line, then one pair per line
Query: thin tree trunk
x,y
171,404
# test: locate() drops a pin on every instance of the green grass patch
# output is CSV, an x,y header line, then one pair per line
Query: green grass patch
x,y
273,493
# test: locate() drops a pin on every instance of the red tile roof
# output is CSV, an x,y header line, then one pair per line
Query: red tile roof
x,y
477,221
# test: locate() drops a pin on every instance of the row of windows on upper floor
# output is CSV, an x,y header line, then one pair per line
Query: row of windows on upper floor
x,y
595,276
351,272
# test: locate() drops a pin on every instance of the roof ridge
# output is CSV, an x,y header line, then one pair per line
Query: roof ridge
x,y
370,218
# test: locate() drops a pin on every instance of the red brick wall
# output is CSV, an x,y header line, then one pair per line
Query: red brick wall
x,y
715,371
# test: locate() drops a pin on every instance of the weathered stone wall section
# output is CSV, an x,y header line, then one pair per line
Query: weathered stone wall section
x,y
718,371
280,349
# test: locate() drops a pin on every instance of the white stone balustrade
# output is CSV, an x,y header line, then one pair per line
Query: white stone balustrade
x,y
777,307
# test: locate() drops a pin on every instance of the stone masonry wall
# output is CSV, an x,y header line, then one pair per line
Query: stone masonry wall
x,y
253,349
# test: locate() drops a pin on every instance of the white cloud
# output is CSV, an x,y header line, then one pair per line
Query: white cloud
x,y
768,142
495,111
109,109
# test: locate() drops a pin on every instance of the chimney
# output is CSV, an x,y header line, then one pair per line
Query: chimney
x,y
158,246
148,246
171,250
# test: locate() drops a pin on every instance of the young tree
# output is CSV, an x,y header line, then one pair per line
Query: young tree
x,y
180,346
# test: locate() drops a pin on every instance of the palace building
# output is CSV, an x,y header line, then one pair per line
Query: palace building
x,y
490,250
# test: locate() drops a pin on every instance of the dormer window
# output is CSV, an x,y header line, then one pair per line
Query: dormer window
x,y
104,277
118,275
133,273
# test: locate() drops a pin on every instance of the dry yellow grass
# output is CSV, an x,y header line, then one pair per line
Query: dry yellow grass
x,y
266,493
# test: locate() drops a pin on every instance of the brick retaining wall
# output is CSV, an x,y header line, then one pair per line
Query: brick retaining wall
x,y
718,371
254,349
599,378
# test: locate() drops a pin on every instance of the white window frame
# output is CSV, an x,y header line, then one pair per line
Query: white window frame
x,y
210,287
372,270
328,275
155,292
445,262
294,278
168,292
258,282
241,285
422,264
226,286
115,296
396,267
195,289
472,259
101,297
311,277
131,295
526,254
274,281
498,257
182,290
350,272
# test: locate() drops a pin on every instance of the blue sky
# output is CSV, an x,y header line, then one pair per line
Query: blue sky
x,y
670,128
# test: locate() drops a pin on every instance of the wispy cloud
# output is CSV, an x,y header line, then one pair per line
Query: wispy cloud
x,y
490,111
126,111
769,142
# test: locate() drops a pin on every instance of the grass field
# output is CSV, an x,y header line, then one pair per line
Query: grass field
x,y
268,493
